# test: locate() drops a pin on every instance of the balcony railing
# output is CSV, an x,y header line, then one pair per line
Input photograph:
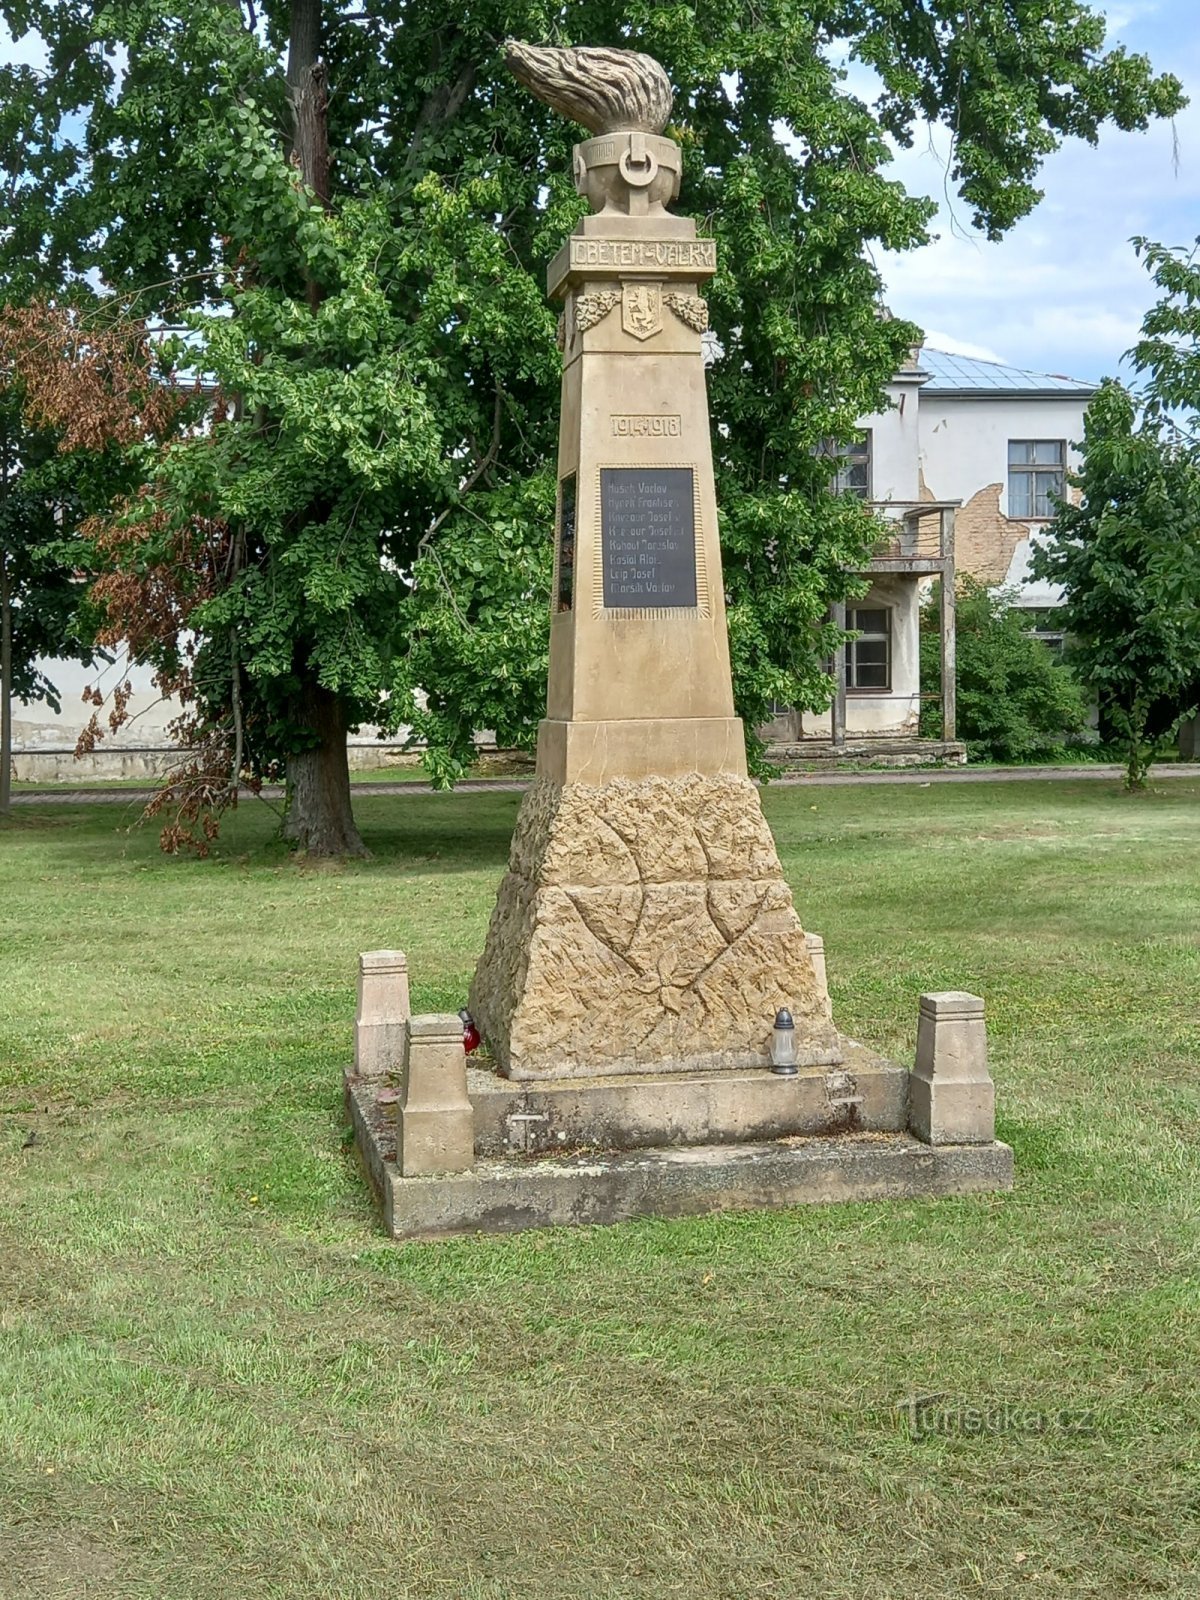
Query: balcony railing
x,y
917,532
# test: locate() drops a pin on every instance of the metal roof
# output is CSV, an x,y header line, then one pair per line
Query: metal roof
x,y
991,380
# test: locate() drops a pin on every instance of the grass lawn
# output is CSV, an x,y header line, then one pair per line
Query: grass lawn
x,y
217,1379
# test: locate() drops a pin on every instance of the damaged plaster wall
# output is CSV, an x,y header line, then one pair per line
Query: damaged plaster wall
x,y
964,456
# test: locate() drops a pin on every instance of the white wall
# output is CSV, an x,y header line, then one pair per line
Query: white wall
x,y
964,449
895,443
44,744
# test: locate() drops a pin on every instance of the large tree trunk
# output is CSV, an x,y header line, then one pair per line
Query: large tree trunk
x,y
5,688
319,817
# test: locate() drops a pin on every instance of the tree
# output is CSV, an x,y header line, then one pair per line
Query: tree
x,y
82,399
1127,558
38,594
44,609
381,461
1015,702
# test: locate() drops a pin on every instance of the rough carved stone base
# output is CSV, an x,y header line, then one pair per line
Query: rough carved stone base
x,y
645,926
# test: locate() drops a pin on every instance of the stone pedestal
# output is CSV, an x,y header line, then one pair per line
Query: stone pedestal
x,y
951,1096
383,1012
644,926
435,1125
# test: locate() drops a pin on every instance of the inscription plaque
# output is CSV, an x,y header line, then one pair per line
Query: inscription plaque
x,y
648,537
566,543
698,254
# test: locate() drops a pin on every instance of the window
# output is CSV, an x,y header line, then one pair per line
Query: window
x,y
869,657
1036,473
853,475
1048,624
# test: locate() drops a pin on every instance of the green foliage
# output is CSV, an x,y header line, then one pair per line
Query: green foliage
x,y
385,470
1127,558
1015,701
1017,78
1169,349
41,500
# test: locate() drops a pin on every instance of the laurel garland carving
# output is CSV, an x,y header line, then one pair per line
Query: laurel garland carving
x,y
689,308
593,308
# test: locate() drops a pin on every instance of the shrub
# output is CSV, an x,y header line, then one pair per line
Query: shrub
x,y
1015,701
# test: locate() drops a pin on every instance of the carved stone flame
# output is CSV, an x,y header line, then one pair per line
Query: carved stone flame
x,y
608,91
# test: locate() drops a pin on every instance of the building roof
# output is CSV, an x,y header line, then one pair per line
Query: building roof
x,y
968,377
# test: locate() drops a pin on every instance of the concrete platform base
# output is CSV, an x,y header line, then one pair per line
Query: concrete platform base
x,y
863,1093
591,1186
874,750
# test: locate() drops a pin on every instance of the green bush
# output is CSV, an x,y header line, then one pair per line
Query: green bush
x,y
1015,701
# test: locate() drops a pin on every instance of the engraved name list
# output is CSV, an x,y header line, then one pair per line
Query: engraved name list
x,y
648,537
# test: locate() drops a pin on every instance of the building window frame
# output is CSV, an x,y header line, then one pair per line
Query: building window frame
x,y
1047,624
853,465
863,653
1037,469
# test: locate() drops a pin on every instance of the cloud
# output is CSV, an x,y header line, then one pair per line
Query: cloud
x,y
952,346
1124,16
1063,291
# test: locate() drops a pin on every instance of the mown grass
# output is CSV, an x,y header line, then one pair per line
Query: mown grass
x,y
217,1378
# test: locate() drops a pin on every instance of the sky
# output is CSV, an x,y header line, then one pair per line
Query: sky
x,y
1063,292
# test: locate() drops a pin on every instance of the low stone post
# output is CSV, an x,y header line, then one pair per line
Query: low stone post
x,y
816,949
951,1099
383,1013
435,1127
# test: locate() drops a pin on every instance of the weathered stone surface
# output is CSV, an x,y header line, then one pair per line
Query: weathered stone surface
x,y
503,1195
435,1125
866,1094
383,1012
951,1096
645,926
507,1196
612,915
734,906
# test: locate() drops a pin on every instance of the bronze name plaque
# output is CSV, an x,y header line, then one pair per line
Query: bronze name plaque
x,y
648,537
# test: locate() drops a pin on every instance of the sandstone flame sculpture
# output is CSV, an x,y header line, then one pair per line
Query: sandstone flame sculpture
x,y
607,91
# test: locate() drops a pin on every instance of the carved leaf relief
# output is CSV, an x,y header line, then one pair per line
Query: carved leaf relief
x,y
689,308
593,308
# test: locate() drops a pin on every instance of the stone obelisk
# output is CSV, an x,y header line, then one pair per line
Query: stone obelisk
x,y
644,924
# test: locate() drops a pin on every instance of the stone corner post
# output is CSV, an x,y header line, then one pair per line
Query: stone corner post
x,y
383,1011
951,1097
435,1128
816,949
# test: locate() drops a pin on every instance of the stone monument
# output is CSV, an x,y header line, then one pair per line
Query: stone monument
x,y
644,925
644,938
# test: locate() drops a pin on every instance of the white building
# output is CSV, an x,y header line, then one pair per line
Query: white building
x,y
966,460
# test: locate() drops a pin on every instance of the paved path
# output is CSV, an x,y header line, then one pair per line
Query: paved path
x,y
60,795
